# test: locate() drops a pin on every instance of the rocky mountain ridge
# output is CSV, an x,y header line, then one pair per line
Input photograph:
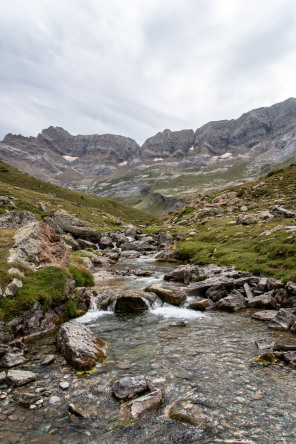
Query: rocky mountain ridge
x,y
263,137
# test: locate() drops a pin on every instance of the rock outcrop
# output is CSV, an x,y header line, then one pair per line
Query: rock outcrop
x,y
36,244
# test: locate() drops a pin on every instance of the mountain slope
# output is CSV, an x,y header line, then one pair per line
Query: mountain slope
x,y
170,163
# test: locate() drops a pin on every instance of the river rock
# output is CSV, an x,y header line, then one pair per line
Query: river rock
x,y
80,347
264,315
186,411
170,294
2,377
26,399
85,244
144,406
129,387
106,242
283,320
265,300
198,304
216,292
264,343
200,288
234,302
11,360
37,245
77,411
133,302
20,377
48,359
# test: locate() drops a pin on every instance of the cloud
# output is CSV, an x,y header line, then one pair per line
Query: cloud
x,y
136,68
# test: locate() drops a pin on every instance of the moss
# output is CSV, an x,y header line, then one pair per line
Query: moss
x,y
82,277
71,309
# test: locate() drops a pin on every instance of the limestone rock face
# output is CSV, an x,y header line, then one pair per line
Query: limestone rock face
x,y
80,347
37,245
168,143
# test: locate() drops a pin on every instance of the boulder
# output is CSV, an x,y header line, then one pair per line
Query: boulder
x,y
262,344
279,211
144,406
186,411
84,244
63,222
16,219
291,288
129,387
200,288
37,245
216,292
13,287
11,360
69,240
106,242
234,302
283,320
201,304
20,377
80,347
133,302
264,315
265,300
171,294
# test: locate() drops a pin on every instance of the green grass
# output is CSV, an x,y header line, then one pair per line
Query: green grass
x,y
82,277
6,242
96,211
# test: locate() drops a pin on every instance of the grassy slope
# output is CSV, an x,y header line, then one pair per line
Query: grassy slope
x,y
26,193
242,245
101,213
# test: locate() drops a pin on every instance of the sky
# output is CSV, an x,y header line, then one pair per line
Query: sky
x,y
137,67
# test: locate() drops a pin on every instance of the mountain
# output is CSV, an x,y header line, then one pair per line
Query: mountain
x,y
171,163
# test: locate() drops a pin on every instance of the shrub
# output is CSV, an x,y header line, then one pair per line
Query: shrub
x,y
70,309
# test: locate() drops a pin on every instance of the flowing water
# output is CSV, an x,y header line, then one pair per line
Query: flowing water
x,y
207,362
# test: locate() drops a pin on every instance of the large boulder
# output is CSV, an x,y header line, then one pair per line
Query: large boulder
x,y
36,244
133,302
279,211
80,347
171,294
265,300
63,222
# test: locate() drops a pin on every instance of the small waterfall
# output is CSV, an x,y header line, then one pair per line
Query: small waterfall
x,y
93,304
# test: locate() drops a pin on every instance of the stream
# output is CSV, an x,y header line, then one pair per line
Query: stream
x,y
206,362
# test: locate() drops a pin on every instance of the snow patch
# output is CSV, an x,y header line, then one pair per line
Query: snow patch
x,y
70,158
157,158
122,163
224,156
191,149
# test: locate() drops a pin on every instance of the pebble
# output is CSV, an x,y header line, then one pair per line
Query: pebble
x,y
40,389
64,385
39,402
54,400
32,407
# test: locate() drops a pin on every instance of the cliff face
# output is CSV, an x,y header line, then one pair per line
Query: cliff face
x,y
264,134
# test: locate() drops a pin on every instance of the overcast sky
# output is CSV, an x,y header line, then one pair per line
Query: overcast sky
x,y
136,67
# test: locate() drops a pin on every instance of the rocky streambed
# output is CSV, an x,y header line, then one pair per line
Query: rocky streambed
x,y
186,375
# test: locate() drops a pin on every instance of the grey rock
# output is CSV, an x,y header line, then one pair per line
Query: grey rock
x,y
234,302
11,360
80,347
265,300
143,406
133,302
77,411
264,315
13,287
168,293
262,344
283,320
106,242
2,377
16,219
279,211
26,399
64,385
129,387
20,377
48,359
54,400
